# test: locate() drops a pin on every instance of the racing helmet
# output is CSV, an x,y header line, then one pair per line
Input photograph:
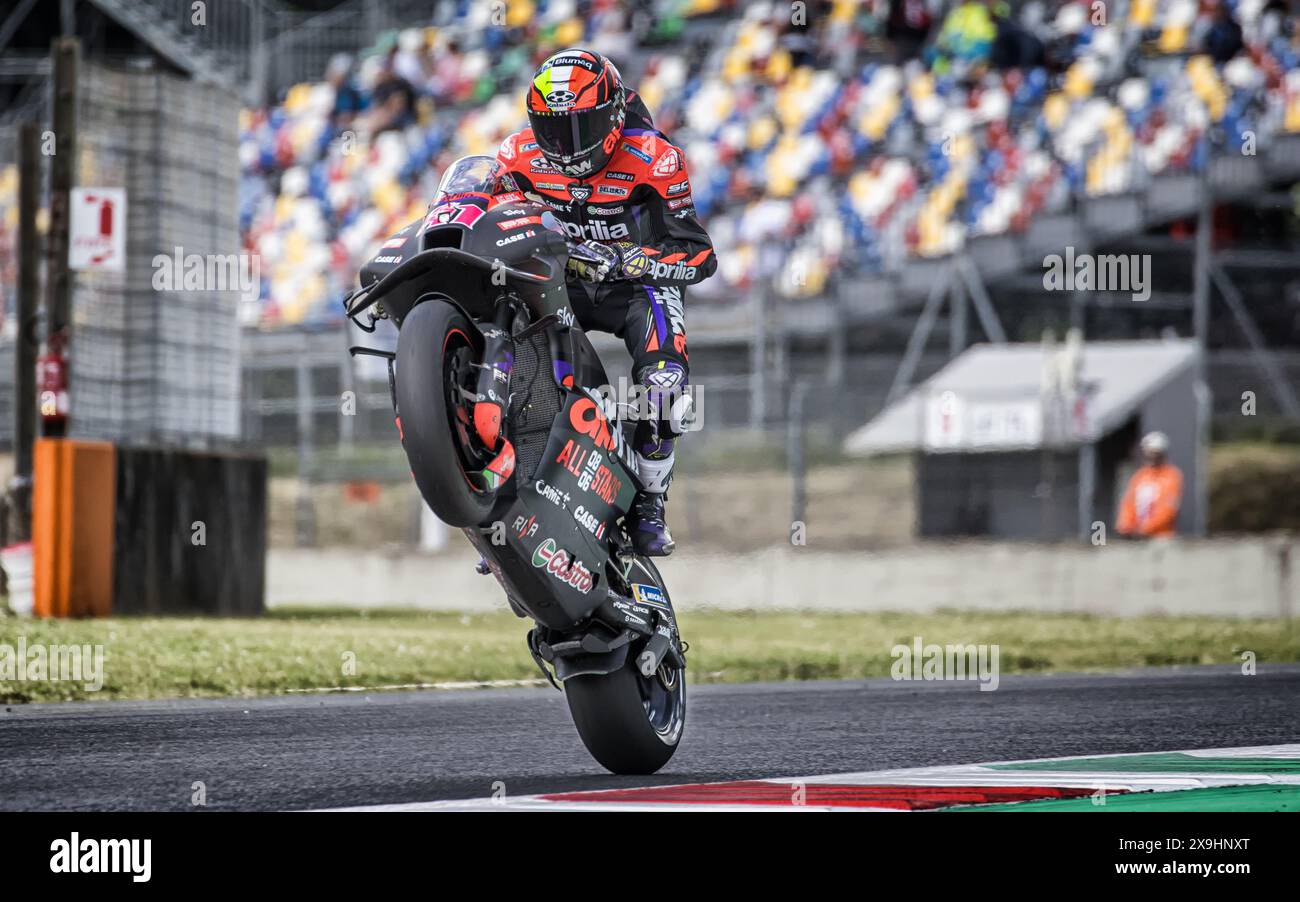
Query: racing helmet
x,y
576,106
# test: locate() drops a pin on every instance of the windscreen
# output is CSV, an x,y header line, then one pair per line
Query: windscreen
x,y
477,174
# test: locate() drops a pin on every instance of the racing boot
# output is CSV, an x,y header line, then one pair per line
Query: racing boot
x,y
646,523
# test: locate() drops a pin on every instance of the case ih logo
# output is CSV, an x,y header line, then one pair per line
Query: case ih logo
x,y
556,562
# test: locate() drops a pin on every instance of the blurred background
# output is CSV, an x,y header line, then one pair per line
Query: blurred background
x,y
884,355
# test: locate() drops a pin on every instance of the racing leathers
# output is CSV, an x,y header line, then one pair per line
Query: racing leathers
x,y
643,244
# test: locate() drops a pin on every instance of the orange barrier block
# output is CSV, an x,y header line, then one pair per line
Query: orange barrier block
x,y
73,506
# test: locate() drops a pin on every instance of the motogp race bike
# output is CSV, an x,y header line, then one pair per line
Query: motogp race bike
x,y
498,402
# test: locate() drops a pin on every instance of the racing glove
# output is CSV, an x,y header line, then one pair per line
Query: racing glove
x,y
594,262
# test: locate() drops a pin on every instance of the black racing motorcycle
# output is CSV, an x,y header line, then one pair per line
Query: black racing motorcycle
x,y
498,402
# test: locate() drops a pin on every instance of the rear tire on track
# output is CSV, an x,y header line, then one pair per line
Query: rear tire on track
x,y
433,339
611,714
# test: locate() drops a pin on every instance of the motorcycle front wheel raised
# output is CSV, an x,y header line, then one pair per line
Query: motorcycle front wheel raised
x,y
437,353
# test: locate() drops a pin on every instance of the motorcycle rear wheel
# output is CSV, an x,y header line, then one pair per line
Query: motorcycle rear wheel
x,y
436,347
631,724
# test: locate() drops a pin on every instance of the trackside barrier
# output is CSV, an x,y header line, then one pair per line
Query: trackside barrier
x,y
139,530
72,527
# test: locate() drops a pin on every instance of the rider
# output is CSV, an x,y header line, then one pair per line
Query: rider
x,y
620,188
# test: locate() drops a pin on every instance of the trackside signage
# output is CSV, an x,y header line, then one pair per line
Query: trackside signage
x,y
102,856
97,230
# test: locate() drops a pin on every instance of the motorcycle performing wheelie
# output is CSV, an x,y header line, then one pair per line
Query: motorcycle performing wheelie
x,y
498,403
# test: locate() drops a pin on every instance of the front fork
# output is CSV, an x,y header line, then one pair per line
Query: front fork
x,y
493,395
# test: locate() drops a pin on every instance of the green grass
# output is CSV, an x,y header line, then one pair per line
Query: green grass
x,y
306,649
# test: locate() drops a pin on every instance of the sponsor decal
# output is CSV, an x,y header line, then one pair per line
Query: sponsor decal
x,y
540,164
565,316
510,239
597,230
558,497
393,242
507,150
560,98
519,223
525,527
620,176
605,211
638,153
649,595
524,148
549,186
555,561
616,190
668,163
680,187
587,417
687,201
458,214
631,613
579,191
676,272
589,521
672,298
593,474
392,258
576,60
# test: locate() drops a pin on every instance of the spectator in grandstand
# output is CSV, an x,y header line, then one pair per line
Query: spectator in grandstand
x,y
965,39
620,187
1155,493
1223,39
907,26
348,101
392,99
1014,46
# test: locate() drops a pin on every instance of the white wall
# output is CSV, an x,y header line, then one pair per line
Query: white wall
x,y
1228,577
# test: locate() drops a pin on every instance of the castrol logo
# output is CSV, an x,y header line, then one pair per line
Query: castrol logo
x,y
557,563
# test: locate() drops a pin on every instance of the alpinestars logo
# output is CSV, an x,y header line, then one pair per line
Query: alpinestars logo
x,y
598,230
672,298
556,562
674,272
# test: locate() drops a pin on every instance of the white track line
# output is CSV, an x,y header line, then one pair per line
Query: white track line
x,y
463,684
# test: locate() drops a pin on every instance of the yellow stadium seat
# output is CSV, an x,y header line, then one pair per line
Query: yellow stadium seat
x,y
570,32
1172,39
297,98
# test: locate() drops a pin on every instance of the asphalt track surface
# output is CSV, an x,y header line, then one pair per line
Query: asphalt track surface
x,y
301,752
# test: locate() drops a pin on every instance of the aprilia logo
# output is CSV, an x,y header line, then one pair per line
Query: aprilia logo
x,y
597,230
675,272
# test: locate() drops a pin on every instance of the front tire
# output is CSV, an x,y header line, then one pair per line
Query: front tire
x,y
436,346
631,724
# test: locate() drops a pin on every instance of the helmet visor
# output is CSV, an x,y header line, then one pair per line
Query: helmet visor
x,y
573,135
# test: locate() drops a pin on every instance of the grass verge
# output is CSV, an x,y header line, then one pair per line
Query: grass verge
x,y
309,649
